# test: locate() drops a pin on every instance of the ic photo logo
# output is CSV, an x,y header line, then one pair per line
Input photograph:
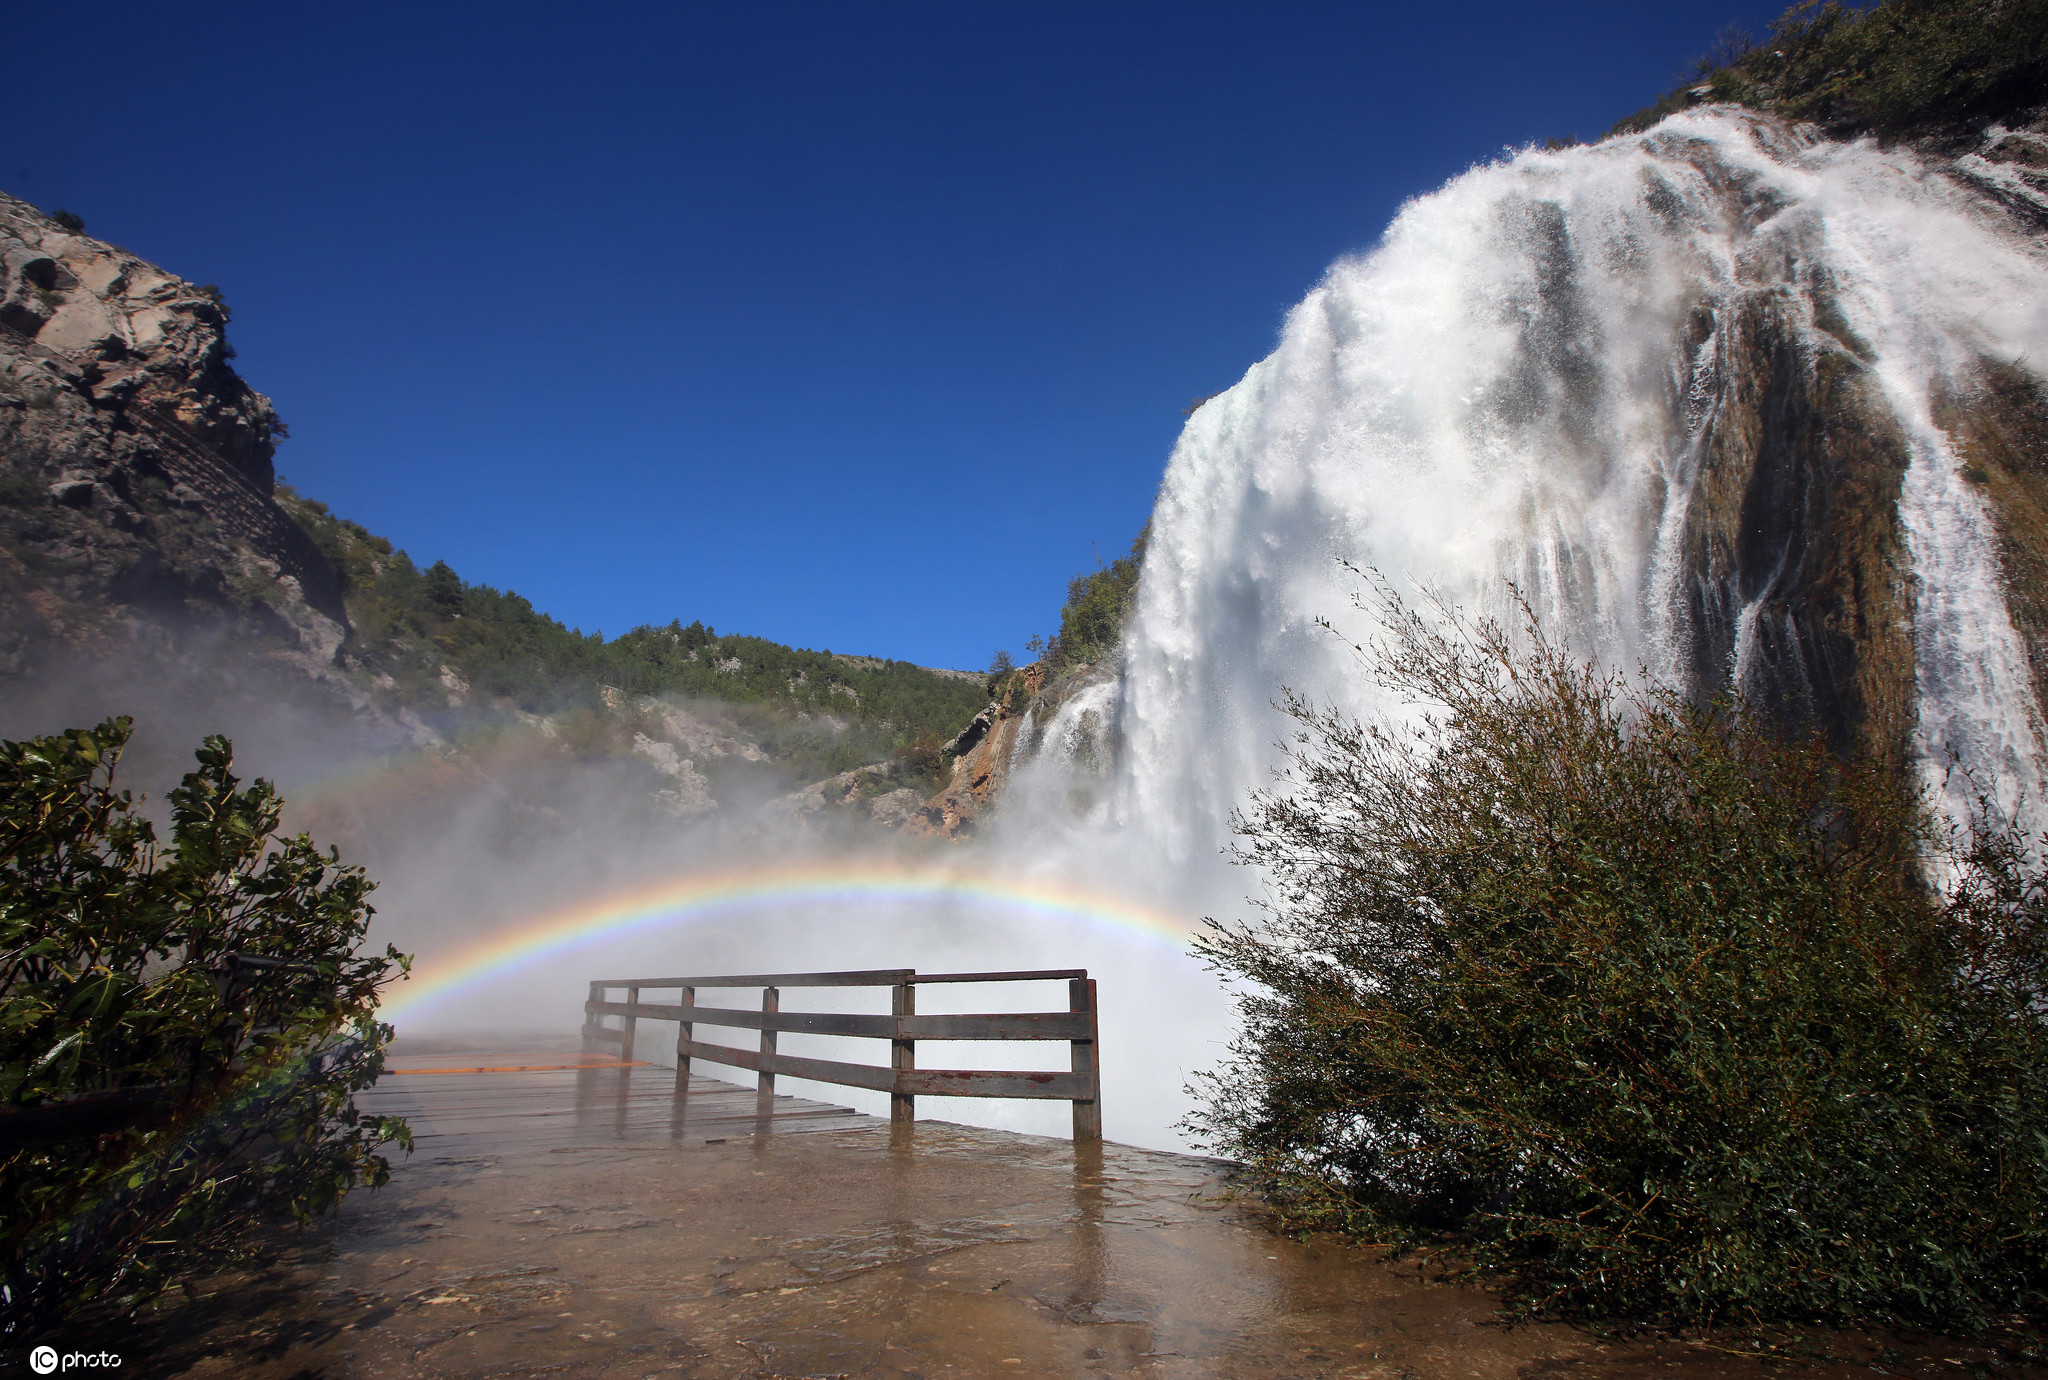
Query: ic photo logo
x,y
44,1360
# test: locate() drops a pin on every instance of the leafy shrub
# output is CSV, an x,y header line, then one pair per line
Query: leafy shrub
x,y
18,490
181,1027
68,220
923,761
1014,690
212,293
1640,1003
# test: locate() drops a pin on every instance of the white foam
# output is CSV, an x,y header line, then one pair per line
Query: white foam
x,y
1501,391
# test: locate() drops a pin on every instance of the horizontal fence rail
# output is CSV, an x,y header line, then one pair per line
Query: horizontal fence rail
x,y
903,1080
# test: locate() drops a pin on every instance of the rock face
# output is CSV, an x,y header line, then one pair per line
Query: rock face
x,y
1797,514
1797,517
1798,520
700,739
136,465
690,796
994,743
866,797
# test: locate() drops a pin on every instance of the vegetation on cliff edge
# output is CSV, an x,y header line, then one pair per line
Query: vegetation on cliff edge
x,y
1899,68
1092,622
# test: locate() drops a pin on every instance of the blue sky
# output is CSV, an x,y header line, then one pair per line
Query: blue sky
x,y
860,327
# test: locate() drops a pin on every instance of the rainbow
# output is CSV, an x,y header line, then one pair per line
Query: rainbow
x,y
702,896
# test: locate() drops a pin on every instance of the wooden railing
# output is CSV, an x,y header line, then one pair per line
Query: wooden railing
x,y
903,1080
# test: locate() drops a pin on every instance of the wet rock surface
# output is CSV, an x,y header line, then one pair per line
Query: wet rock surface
x,y
562,1221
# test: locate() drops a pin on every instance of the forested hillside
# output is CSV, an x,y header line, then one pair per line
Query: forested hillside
x,y
428,637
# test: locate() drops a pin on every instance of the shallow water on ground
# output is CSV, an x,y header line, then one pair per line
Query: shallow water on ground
x,y
562,1221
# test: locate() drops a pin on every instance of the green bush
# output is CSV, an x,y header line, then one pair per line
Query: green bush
x,y
1635,1001
181,1026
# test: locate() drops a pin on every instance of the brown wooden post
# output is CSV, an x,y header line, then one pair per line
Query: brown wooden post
x,y
764,1085
626,1045
684,1034
1088,1113
902,1054
591,1018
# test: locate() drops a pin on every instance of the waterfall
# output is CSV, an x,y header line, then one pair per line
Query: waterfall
x,y
1578,370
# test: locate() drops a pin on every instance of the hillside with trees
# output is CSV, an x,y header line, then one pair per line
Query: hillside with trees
x,y
416,633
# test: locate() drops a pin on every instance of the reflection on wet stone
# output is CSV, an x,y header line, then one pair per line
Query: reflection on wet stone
x,y
1075,1308
555,1223
830,1258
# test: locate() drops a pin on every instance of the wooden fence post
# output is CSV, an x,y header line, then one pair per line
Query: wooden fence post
x,y
632,1022
902,1054
683,1037
1087,1114
764,1085
591,1018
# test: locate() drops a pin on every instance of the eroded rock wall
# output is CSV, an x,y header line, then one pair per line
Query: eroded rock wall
x,y
1796,517
136,464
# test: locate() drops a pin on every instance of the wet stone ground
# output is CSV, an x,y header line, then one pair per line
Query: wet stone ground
x,y
562,1221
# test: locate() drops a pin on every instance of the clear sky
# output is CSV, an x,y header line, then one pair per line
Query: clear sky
x,y
854,326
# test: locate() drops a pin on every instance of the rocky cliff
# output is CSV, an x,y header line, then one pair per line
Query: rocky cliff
x,y
1796,519
1054,711
138,501
150,561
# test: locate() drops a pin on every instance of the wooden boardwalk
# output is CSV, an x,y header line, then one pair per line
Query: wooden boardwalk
x,y
482,1101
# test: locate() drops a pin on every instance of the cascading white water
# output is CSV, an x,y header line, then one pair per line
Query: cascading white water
x,y
1525,381
1497,393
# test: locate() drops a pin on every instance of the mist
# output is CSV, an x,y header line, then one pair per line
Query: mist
x,y
1534,379
487,824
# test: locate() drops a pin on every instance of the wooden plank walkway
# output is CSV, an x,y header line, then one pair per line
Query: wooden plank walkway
x,y
469,1102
